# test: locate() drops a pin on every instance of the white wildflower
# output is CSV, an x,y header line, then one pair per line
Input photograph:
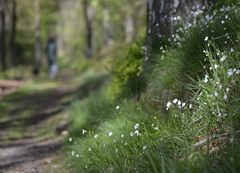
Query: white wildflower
x,y
122,135
89,149
84,131
137,133
117,107
238,71
223,58
179,102
227,89
144,147
219,114
110,134
77,156
215,93
168,105
190,106
95,136
131,133
206,39
156,128
70,139
230,72
175,101
206,78
215,66
73,153
183,105
225,97
136,126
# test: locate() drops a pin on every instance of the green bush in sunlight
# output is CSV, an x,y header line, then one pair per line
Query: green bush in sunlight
x,y
126,74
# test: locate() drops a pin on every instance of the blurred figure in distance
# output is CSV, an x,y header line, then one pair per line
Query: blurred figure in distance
x,y
51,51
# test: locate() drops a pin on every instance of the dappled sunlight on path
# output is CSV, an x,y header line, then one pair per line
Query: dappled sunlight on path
x,y
34,123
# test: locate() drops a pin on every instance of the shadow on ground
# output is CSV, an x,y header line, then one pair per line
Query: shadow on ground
x,y
31,116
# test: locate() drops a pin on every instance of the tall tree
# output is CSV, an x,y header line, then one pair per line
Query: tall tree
x,y
161,12
106,24
13,33
37,37
2,35
88,14
129,23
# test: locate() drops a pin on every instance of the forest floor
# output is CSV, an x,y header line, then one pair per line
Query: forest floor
x,y
34,123
32,128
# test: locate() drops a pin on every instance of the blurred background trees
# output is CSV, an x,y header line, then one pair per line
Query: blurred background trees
x,y
83,28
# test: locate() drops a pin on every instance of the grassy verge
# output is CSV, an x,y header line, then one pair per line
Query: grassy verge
x,y
186,118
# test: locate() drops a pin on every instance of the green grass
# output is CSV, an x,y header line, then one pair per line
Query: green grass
x,y
199,132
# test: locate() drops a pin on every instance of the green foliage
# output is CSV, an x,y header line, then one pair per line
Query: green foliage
x,y
221,3
89,113
197,132
132,141
126,74
172,66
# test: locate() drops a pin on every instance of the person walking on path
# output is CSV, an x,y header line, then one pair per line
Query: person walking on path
x,y
51,50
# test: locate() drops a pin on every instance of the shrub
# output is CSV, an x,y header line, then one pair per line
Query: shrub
x,y
126,74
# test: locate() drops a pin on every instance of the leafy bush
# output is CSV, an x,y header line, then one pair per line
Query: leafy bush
x,y
126,74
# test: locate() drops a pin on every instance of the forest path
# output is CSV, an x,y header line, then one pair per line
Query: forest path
x,y
32,128
34,121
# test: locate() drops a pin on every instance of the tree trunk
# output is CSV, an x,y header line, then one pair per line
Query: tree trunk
x,y
129,24
37,37
106,25
88,13
13,33
161,13
2,35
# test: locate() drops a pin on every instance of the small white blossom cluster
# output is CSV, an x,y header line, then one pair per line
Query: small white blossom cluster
x,y
117,107
178,103
233,71
155,127
136,130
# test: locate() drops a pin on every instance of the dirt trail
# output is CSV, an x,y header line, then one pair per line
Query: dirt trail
x,y
36,150
30,156
8,86
33,129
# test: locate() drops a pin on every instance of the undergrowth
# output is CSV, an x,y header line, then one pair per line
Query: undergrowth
x,y
186,118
